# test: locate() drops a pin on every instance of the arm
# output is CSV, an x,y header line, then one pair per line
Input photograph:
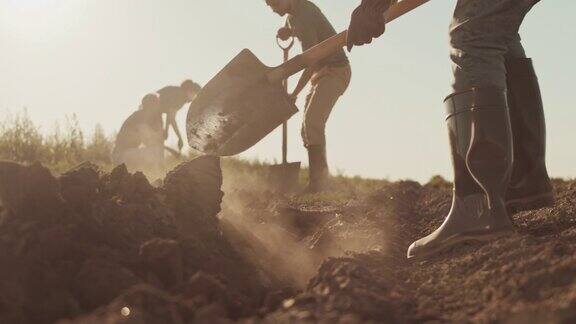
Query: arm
x,y
308,37
367,22
166,127
304,79
171,121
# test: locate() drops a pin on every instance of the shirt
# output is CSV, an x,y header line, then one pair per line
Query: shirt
x,y
311,27
172,98
142,127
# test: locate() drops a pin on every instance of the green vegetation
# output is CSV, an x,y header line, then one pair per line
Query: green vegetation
x,y
21,140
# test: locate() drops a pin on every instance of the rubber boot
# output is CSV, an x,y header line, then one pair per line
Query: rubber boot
x,y
318,169
530,186
481,145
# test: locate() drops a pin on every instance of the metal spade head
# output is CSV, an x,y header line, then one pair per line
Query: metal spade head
x,y
237,108
284,177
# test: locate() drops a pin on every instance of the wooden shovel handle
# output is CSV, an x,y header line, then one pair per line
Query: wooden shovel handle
x,y
333,44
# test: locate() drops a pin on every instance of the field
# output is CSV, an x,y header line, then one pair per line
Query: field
x,y
86,243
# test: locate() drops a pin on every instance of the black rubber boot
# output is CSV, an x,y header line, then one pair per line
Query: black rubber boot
x,y
530,186
481,145
318,169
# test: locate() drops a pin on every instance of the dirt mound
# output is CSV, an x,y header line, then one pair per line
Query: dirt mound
x,y
86,239
94,247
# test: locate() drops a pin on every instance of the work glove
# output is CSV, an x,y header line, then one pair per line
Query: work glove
x,y
284,33
367,22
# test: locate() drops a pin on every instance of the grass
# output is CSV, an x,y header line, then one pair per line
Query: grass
x,y
60,148
66,145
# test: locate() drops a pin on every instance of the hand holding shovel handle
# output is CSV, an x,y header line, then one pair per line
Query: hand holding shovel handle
x,y
233,110
332,44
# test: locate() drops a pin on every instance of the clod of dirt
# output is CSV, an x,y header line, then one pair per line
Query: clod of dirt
x,y
343,289
28,190
206,289
193,191
206,292
99,281
126,187
80,186
163,258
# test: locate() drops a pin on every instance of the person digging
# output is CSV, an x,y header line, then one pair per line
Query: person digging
x,y
495,120
140,142
172,99
329,80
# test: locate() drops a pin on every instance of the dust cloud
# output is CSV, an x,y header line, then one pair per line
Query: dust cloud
x,y
287,237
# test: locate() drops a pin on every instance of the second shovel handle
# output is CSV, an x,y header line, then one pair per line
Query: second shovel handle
x,y
286,47
333,44
286,51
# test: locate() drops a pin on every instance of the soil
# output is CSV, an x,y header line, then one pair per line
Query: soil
x,y
87,241
528,277
92,247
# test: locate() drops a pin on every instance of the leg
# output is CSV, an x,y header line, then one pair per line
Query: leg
x,y
320,102
515,50
478,123
480,138
480,35
530,186
319,105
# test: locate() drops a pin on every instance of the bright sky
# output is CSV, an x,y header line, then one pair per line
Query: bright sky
x,y
97,58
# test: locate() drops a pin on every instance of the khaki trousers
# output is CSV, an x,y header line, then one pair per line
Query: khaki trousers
x,y
328,85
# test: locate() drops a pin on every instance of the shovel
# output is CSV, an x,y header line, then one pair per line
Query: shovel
x,y
246,101
175,153
284,177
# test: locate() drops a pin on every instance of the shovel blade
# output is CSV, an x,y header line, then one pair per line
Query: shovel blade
x,y
284,177
237,108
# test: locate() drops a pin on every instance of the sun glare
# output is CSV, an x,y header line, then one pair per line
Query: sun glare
x,y
39,20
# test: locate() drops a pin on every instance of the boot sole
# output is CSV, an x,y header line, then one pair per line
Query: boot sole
x,y
459,239
530,203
